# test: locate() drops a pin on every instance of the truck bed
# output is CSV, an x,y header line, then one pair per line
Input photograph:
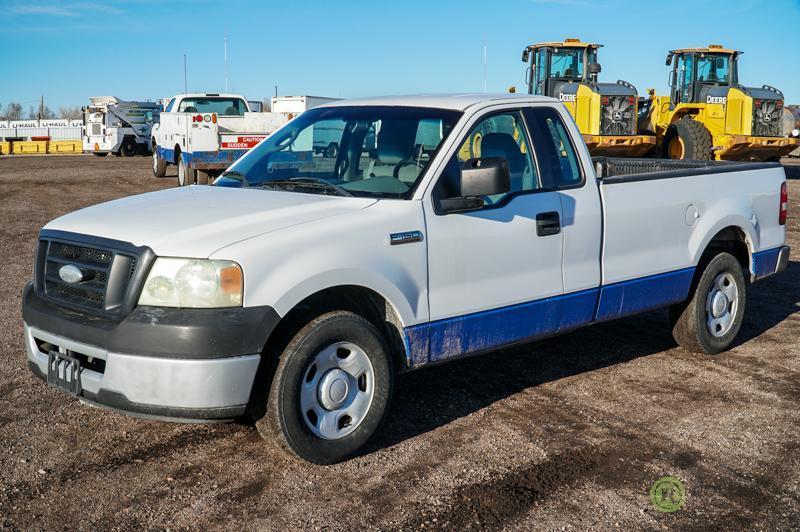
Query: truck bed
x,y
659,215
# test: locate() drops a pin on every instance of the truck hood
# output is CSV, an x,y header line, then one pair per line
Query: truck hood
x,y
198,220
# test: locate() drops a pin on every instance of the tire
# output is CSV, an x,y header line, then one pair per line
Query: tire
x,y
159,165
186,175
688,139
128,148
99,154
331,151
297,417
700,324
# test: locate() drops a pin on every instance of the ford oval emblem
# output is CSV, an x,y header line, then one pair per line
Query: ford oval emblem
x,y
70,274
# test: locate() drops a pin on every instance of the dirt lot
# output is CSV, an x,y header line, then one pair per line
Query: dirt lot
x,y
569,433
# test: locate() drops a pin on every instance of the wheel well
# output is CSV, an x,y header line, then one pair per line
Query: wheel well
x,y
362,301
731,240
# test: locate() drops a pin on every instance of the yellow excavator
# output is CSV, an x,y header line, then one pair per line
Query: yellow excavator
x,y
606,113
709,115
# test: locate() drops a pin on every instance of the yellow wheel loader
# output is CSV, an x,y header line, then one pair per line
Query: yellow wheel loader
x,y
709,115
606,113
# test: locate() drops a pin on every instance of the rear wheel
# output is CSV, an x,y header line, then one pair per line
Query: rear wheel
x,y
688,139
331,151
186,175
128,148
159,165
330,391
711,319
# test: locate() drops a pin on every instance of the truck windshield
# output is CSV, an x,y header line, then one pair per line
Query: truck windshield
x,y
220,106
373,151
567,63
713,68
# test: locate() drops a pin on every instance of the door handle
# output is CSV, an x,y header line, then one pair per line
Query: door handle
x,y
548,223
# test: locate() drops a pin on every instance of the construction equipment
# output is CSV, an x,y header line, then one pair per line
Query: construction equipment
x,y
709,115
606,113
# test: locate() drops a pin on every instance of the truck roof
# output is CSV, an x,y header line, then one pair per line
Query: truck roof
x,y
209,95
99,101
457,102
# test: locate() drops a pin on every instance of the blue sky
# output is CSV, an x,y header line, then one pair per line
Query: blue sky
x,y
69,50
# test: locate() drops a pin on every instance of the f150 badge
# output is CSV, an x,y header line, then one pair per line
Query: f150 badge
x,y
406,237
70,274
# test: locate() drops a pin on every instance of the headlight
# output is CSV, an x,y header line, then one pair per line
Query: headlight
x,y
193,283
796,132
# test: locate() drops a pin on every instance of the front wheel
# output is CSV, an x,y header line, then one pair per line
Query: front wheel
x,y
330,391
711,319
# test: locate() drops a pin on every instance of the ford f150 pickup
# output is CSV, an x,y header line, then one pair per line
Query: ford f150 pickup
x,y
299,284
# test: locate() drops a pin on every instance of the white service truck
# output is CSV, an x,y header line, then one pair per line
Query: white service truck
x,y
204,133
118,126
298,285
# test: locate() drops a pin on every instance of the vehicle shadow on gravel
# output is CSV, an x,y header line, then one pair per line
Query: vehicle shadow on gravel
x,y
432,397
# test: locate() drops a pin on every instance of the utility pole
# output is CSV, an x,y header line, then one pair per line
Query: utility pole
x,y
226,59
41,108
484,63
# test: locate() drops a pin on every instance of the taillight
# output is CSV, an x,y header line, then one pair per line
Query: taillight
x,y
604,100
214,118
757,104
784,204
779,104
631,100
197,118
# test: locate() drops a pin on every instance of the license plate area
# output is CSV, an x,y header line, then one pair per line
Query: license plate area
x,y
64,372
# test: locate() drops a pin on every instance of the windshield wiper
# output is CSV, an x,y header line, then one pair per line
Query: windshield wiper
x,y
307,182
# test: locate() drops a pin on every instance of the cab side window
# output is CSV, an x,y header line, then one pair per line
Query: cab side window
x,y
499,135
558,160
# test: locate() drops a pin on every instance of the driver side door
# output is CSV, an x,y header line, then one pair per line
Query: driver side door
x,y
494,275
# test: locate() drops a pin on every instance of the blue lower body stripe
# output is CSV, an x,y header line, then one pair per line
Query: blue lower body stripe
x,y
765,263
480,331
645,293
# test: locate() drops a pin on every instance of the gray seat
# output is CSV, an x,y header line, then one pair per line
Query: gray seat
x,y
504,145
396,151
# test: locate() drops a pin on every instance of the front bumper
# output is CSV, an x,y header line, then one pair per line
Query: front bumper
x,y
738,147
619,145
179,364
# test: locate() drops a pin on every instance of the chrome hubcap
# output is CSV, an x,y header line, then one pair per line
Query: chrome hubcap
x,y
721,304
337,390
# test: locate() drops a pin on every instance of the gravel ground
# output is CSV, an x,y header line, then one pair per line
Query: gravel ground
x,y
568,433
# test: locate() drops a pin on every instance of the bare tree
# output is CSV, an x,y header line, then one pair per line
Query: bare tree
x,y
13,111
42,111
70,113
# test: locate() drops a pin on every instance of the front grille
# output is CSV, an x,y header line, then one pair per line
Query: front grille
x,y
767,119
618,116
105,275
97,129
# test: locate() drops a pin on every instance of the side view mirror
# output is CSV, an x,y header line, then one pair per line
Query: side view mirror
x,y
671,79
479,177
595,68
525,55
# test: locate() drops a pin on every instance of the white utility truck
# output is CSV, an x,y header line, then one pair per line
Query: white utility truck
x,y
204,133
118,126
298,285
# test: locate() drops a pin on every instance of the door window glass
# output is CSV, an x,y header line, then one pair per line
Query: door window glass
x,y
558,161
500,135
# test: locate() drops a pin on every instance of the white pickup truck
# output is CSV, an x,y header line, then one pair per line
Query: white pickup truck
x,y
296,287
204,133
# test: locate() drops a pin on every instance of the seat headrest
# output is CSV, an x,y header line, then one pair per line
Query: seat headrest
x,y
503,145
396,141
231,110
190,109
